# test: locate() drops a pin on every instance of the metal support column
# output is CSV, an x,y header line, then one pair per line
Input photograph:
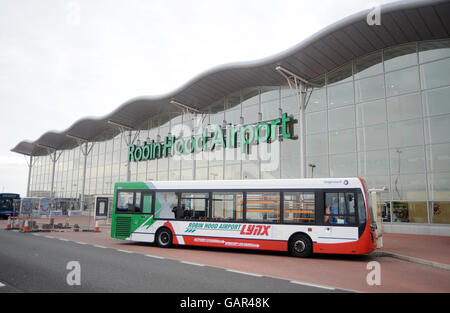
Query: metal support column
x,y
85,150
30,166
298,86
128,141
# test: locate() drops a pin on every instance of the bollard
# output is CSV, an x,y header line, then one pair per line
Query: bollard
x,y
25,225
97,228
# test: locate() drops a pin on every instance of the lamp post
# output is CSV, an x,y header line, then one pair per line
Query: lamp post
x,y
312,166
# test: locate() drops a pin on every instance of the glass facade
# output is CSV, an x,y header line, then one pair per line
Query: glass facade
x,y
384,117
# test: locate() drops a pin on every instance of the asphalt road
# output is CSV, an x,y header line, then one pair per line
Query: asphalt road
x,y
30,263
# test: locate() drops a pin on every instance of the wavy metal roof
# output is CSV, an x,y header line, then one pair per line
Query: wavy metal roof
x,y
401,22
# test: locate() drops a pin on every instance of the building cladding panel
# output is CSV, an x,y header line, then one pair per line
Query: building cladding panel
x,y
383,115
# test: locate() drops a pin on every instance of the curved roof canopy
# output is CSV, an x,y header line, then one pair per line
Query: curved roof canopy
x,y
401,22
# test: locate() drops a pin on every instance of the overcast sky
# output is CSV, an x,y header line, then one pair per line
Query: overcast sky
x,y
62,60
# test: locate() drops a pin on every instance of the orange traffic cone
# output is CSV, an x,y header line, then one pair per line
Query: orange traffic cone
x,y
8,226
25,225
97,227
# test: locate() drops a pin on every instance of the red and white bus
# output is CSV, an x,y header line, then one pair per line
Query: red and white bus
x,y
301,216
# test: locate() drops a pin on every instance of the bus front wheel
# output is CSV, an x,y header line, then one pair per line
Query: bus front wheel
x,y
300,246
164,238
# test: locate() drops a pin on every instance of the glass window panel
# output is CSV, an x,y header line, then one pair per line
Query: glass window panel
x,y
439,186
406,133
436,101
407,160
290,168
409,212
232,170
270,110
441,212
342,74
215,172
433,50
316,122
341,118
404,107
250,170
289,103
368,65
370,113
379,182
299,207
340,95
437,129
438,158
232,116
250,114
227,206
270,94
408,187
372,137
272,172
369,88
373,163
187,174
201,173
263,207
435,74
317,100
342,141
317,166
399,57
342,165
317,144
403,81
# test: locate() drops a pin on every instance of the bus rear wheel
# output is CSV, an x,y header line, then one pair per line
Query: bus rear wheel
x,y
300,246
164,238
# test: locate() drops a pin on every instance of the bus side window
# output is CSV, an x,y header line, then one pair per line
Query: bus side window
x,y
147,201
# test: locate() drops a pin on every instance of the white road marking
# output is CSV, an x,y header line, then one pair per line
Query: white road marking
x,y
99,246
50,237
245,273
63,239
311,285
192,263
2,285
155,256
126,251
80,243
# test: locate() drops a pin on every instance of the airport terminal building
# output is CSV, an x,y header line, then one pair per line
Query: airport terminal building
x,y
355,99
